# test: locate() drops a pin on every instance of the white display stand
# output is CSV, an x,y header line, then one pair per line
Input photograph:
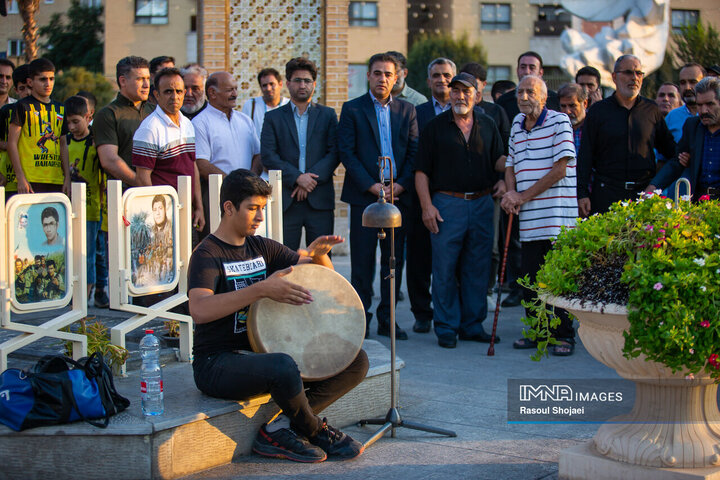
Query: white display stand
x,y
119,279
75,279
272,225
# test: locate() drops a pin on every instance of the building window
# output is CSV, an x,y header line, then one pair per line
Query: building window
x,y
92,3
153,12
552,20
682,18
13,7
357,80
495,16
497,72
16,48
49,1
363,14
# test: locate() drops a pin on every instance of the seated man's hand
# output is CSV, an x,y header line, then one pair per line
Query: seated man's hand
x,y
280,290
322,245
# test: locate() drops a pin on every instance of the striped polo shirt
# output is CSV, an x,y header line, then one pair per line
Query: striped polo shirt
x,y
532,155
165,148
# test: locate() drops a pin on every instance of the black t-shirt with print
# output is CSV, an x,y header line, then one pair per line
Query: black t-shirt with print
x,y
221,267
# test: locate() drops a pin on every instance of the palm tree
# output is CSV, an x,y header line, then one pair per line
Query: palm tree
x,y
28,9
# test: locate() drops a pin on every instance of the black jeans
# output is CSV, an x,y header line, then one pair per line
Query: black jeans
x,y
239,376
533,256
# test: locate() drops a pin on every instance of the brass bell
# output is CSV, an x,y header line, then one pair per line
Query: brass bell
x,y
381,214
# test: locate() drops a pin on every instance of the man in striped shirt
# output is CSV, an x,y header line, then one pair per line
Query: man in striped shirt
x,y
541,183
164,144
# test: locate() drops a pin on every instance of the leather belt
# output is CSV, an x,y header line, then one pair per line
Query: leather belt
x,y
631,186
713,192
467,195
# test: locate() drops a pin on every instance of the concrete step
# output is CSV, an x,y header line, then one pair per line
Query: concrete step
x,y
195,433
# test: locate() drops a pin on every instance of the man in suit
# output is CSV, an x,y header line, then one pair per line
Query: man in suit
x,y
299,138
699,147
419,254
371,126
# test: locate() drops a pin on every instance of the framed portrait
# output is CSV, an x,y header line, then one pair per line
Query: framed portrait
x,y
151,242
39,240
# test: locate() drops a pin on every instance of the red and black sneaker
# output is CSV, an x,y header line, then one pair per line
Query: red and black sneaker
x,y
336,443
285,443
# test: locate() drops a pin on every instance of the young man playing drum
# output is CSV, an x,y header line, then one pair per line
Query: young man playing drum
x,y
231,269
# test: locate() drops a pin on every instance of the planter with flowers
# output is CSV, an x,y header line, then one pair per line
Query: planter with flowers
x,y
643,280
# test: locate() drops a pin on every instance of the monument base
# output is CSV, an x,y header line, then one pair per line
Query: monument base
x,y
583,462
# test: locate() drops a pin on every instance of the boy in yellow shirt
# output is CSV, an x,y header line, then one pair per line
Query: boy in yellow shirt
x,y
36,136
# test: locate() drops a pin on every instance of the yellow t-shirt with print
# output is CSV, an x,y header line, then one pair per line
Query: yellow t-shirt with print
x,y
85,168
5,164
42,126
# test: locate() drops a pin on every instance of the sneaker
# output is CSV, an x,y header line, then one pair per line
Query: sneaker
x,y
285,443
336,443
101,299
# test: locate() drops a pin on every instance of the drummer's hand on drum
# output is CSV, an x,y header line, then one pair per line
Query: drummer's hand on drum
x,y
280,290
322,245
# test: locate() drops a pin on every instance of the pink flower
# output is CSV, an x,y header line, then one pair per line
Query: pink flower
x,y
657,245
692,351
704,198
658,286
662,230
705,324
649,228
712,360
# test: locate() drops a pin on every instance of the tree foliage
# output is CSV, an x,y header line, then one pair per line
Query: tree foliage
x,y
73,79
76,41
429,47
697,43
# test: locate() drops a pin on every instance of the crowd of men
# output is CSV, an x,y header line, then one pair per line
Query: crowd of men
x,y
459,168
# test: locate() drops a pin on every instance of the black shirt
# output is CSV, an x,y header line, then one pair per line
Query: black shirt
x,y
618,143
451,163
501,119
221,267
508,101
190,116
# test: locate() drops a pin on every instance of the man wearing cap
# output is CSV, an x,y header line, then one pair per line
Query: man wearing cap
x,y
457,155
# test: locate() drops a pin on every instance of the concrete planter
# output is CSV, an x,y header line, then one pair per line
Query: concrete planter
x,y
674,427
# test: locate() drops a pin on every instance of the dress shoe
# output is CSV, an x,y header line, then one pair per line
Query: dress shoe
x,y
447,341
384,330
422,326
483,337
512,300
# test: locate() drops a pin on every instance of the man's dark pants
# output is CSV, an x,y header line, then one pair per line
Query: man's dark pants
x,y
533,256
300,214
363,246
239,376
419,264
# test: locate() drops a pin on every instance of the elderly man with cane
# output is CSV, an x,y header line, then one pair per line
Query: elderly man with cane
x,y
541,189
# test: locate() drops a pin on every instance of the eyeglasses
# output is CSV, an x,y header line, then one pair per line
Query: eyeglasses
x,y
630,73
298,80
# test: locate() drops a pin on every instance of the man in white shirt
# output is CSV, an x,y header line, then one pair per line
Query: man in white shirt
x,y
164,144
271,86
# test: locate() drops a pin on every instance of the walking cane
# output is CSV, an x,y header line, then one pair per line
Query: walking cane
x,y
491,349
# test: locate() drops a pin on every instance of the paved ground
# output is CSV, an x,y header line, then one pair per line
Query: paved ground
x,y
462,390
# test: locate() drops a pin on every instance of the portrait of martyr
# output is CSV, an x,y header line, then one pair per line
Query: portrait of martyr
x,y
39,252
152,242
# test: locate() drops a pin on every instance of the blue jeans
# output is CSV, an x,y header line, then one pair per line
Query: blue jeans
x,y
101,261
91,235
464,244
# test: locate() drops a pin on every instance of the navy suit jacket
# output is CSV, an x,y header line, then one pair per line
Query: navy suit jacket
x,y
359,148
279,149
692,140
425,113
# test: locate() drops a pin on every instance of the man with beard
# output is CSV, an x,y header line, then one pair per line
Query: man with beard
x,y
540,179
456,160
161,258
574,103
401,89
699,146
690,75
194,77
300,140
619,138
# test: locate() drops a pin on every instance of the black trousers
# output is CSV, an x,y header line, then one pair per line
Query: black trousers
x,y
533,256
419,264
239,376
301,214
603,195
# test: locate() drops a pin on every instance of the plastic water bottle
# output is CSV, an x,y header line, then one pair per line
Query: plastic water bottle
x,y
151,382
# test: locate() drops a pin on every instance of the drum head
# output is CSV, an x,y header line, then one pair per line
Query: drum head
x,y
323,337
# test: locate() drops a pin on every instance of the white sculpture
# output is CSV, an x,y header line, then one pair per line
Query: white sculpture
x,y
643,33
